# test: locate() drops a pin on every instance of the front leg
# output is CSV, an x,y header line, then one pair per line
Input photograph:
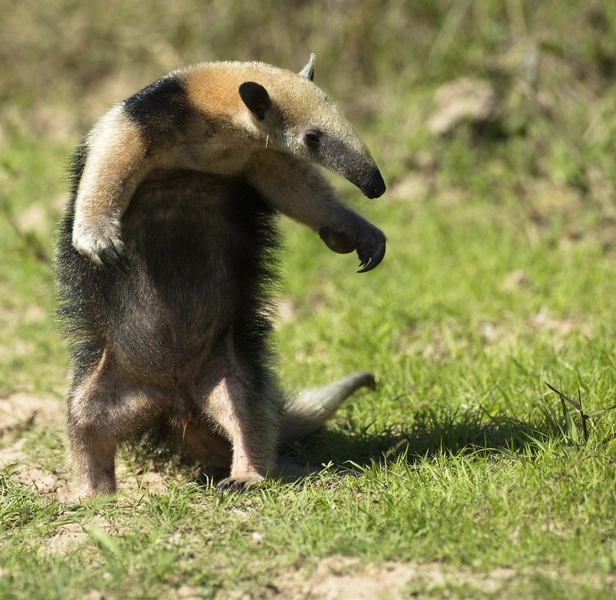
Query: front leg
x,y
114,164
299,190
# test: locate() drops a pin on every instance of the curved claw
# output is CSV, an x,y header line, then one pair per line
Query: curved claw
x,y
372,261
238,484
113,261
229,486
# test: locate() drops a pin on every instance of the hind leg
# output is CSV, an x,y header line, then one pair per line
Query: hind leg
x,y
244,408
104,410
253,426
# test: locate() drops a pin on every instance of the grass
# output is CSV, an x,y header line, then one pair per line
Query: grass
x,y
463,466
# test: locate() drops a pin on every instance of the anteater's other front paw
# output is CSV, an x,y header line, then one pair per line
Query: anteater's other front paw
x,y
368,240
102,244
341,242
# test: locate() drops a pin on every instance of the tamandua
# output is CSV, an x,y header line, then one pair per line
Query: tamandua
x,y
167,255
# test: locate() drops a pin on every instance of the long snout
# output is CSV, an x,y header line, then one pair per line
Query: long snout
x,y
354,163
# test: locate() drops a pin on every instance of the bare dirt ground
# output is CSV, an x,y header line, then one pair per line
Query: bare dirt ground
x,y
343,578
21,413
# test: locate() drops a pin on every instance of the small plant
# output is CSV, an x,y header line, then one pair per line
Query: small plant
x,y
577,434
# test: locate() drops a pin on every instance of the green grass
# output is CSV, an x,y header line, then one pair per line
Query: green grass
x,y
500,277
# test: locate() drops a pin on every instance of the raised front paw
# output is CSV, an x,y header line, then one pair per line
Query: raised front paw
x,y
370,247
368,240
102,244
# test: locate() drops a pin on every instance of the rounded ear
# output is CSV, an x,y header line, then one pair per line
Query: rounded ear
x,y
256,98
308,70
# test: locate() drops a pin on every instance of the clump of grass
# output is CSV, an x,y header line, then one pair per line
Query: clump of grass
x,y
578,430
21,505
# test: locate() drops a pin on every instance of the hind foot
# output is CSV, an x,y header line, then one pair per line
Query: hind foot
x,y
239,484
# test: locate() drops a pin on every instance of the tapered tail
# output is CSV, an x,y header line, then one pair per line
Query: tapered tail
x,y
312,408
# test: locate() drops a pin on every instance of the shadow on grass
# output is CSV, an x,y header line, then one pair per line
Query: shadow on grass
x,y
432,433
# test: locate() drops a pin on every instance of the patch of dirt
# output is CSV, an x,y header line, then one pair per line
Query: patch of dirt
x,y
96,595
21,410
504,336
346,579
13,454
464,99
412,187
559,327
67,538
447,338
21,413
132,478
339,578
34,219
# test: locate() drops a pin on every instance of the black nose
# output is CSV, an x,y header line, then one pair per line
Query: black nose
x,y
375,186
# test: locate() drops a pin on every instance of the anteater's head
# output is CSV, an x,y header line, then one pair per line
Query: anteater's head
x,y
293,115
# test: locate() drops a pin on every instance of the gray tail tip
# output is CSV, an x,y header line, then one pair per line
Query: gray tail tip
x,y
312,408
357,380
366,379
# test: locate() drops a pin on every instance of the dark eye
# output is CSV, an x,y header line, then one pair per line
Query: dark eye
x,y
312,139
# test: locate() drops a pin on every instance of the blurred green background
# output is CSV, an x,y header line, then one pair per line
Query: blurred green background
x,y
467,106
63,63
